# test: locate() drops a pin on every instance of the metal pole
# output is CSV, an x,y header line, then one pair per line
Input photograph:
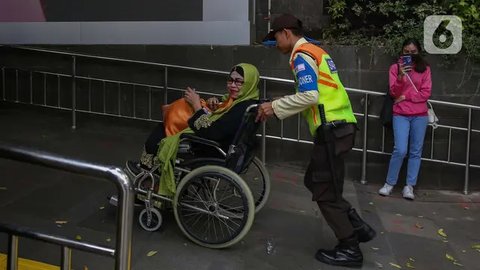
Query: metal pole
x,y
58,93
104,97
3,83
31,87
16,86
126,195
165,87
150,103
467,154
123,249
363,178
66,263
254,7
449,144
89,94
119,99
45,89
264,126
269,7
433,143
74,92
12,257
134,101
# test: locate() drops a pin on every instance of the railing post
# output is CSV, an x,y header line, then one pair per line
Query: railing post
x,y
66,263
165,87
123,248
16,86
3,84
31,87
74,92
12,257
467,154
363,178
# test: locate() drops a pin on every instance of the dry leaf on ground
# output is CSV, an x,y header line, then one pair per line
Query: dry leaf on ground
x,y
151,253
418,225
449,257
61,222
396,265
409,265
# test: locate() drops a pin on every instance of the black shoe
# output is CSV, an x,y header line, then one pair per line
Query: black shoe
x,y
346,254
364,232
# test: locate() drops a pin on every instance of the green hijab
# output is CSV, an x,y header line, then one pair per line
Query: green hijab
x,y
167,151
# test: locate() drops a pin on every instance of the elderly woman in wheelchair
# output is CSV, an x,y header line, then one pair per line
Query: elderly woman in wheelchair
x,y
207,171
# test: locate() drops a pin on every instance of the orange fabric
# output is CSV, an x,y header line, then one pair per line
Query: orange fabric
x,y
224,105
177,113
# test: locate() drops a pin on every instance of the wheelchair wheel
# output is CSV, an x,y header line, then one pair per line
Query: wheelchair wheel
x,y
150,222
213,207
258,180
256,176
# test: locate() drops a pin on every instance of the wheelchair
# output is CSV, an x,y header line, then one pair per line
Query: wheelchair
x,y
218,192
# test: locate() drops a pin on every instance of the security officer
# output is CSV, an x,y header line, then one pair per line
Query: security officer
x,y
318,86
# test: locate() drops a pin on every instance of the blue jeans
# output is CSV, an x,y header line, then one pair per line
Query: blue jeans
x,y
405,127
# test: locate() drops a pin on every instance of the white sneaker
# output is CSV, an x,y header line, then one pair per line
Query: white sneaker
x,y
385,190
408,193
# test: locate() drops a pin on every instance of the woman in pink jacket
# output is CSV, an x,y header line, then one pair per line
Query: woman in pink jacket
x,y
410,86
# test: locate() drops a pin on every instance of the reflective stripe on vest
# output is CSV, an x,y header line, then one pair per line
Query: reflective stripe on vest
x,y
332,93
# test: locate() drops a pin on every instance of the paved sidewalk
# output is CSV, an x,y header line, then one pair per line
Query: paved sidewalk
x,y
285,234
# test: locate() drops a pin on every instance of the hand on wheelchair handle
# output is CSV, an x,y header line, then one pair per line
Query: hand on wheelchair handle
x,y
265,110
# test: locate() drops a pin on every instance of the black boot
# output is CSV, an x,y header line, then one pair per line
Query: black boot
x,y
346,253
364,232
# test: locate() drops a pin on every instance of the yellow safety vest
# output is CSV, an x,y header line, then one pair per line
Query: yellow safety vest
x,y
331,91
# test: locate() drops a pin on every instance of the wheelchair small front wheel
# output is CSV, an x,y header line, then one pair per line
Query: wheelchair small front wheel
x,y
213,207
150,221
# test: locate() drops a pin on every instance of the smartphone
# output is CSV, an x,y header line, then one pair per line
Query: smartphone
x,y
407,60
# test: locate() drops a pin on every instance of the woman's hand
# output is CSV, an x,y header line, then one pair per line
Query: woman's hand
x,y
193,99
399,99
402,70
213,103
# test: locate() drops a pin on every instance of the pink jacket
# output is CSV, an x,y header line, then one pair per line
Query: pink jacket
x,y
415,103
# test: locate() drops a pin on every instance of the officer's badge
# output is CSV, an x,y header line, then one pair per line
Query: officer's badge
x,y
331,65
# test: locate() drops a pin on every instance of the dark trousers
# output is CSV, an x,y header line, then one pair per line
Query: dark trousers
x,y
318,179
151,144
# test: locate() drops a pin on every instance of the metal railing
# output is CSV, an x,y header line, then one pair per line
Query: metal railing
x,y
367,96
122,251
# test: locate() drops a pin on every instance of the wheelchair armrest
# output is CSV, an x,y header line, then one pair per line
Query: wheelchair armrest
x,y
196,139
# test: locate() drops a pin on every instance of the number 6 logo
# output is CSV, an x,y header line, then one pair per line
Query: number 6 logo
x,y
442,34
